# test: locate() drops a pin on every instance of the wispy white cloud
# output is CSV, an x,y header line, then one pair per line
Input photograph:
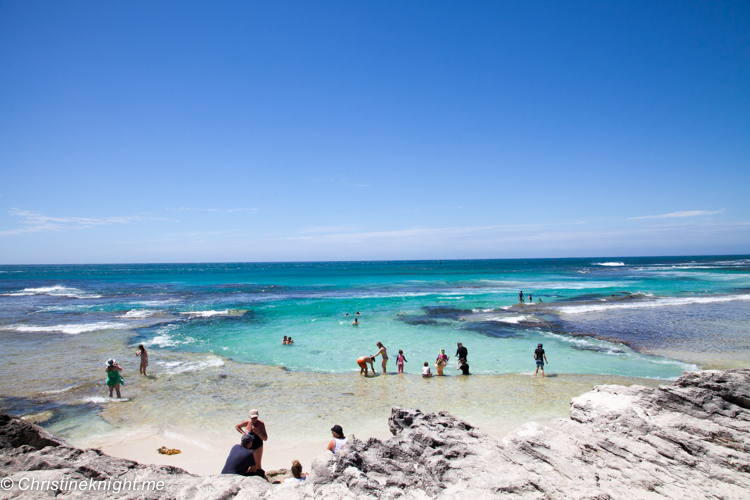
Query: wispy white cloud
x,y
227,211
33,222
679,215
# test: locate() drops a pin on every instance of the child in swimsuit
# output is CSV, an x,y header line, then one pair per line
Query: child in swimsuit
x,y
401,358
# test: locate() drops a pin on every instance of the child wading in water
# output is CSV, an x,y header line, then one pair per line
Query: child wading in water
x,y
400,359
144,358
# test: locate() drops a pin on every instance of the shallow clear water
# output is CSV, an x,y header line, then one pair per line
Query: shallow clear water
x,y
243,310
599,319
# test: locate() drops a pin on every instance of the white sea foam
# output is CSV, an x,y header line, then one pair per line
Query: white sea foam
x,y
100,400
664,302
206,314
54,291
72,329
59,391
609,264
154,303
175,367
484,310
139,313
513,320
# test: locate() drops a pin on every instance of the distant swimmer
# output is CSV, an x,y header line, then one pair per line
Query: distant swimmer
x,y
357,313
290,341
539,300
285,341
540,359
520,297
355,322
363,361
347,314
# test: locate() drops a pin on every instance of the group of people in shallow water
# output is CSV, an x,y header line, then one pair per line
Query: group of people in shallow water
x,y
440,362
521,301
245,459
114,375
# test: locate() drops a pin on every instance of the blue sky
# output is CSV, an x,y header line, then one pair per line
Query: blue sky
x,y
270,131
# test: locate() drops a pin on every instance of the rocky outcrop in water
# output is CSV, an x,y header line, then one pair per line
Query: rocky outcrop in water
x,y
688,440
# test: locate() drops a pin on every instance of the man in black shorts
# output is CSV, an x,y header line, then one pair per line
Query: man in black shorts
x,y
240,460
540,358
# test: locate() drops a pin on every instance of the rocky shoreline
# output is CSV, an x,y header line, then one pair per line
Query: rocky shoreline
x,y
690,439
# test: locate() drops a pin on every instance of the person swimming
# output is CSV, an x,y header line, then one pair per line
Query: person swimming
x,y
355,322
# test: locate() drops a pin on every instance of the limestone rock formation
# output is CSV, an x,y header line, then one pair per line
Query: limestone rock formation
x,y
688,440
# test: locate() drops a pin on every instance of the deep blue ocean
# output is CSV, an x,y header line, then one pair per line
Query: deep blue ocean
x,y
594,316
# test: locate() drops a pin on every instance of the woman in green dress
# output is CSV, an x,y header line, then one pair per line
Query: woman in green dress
x,y
114,379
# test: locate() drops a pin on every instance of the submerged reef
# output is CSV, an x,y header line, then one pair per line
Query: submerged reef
x,y
687,440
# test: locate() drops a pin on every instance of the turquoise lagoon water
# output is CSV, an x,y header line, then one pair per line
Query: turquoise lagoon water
x,y
596,316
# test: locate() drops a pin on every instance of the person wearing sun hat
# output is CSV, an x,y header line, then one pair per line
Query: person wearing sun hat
x,y
114,379
257,429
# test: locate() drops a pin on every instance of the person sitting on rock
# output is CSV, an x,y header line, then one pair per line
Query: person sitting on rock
x,y
338,441
240,460
297,476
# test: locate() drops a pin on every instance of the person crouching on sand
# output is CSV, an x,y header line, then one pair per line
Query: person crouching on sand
x,y
362,362
426,373
144,358
114,379
257,429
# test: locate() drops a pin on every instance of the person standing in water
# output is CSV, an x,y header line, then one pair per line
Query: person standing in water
x,y
520,297
258,430
461,353
383,353
141,352
400,359
540,359
441,362
530,299
114,379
